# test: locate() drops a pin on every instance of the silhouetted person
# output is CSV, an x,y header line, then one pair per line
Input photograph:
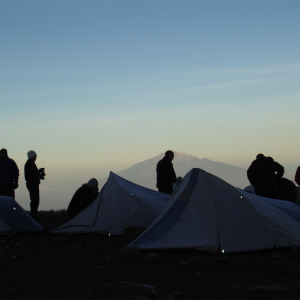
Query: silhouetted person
x,y
32,177
9,175
83,197
297,176
166,176
262,174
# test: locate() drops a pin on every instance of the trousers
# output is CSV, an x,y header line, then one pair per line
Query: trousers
x,y
34,194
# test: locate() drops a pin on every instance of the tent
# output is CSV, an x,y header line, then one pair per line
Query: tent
x,y
250,189
120,204
209,214
13,218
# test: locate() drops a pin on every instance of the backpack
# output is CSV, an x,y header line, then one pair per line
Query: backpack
x,y
286,190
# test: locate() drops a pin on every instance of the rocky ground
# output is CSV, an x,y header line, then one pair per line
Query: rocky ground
x,y
91,266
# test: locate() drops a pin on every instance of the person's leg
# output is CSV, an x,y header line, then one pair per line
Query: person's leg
x,y
34,194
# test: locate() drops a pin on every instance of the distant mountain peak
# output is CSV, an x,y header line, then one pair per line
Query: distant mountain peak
x,y
178,156
144,173
181,156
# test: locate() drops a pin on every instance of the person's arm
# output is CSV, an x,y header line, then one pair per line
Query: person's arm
x,y
172,173
15,175
279,169
297,176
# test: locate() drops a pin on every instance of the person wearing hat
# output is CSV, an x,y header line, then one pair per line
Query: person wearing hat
x,y
83,197
32,177
263,174
9,175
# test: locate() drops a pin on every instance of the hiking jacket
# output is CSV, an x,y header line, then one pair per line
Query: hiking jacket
x,y
297,176
9,171
31,172
262,174
165,174
82,198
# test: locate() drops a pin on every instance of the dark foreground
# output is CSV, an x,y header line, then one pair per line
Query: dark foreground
x,y
92,266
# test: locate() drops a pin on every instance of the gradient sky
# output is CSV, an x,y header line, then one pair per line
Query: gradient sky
x,y
94,86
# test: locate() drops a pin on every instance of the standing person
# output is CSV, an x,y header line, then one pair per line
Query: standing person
x,y
166,176
83,197
263,173
9,175
32,177
297,176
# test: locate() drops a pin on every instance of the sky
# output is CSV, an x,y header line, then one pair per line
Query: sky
x,y
94,86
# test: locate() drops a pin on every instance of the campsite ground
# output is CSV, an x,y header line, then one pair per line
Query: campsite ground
x,y
91,266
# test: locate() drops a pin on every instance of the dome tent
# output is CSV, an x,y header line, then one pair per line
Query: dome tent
x,y
120,204
209,214
13,218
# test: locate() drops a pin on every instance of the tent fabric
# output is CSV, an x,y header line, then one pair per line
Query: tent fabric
x,y
13,218
120,204
250,189
209,214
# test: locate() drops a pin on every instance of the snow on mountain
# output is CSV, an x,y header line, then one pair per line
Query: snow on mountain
x,y
144,173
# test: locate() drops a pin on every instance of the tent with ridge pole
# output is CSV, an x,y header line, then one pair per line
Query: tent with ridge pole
x,y
209,214
120,204
13,218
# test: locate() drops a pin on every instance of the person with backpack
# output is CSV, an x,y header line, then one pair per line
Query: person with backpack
x,y
263,173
